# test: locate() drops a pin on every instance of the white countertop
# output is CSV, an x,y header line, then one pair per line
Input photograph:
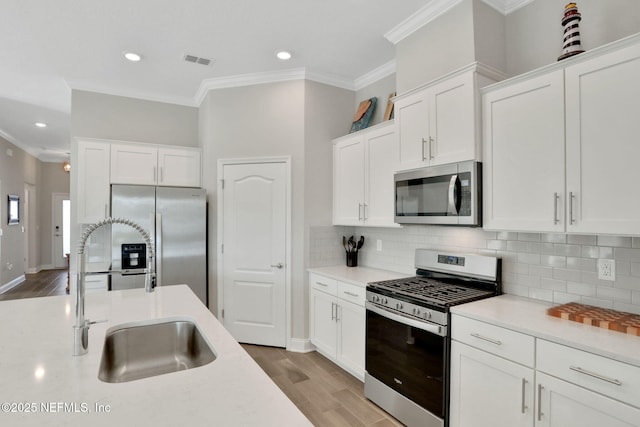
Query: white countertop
x,y
36,367
357,275
530,317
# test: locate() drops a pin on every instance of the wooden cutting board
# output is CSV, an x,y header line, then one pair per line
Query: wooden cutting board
x,y
619,321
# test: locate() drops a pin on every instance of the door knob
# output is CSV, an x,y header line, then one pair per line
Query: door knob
x,y
278,265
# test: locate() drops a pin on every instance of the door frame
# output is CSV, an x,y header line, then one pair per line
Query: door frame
x,y
30,206
220,227
54,197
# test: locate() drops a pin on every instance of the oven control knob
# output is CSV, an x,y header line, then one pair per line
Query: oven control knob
x,y
385,301
375,298
399,306
427,315
416,312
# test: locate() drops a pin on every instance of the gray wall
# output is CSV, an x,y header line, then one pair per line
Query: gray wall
x,y
15,171
534,33
53,180
297,119
381,90
437,48
97,115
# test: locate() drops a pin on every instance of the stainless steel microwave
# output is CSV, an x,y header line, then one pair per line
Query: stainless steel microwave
x,y
446,194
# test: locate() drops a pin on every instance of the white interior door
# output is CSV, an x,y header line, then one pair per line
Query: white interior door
x,y
254,237
60,229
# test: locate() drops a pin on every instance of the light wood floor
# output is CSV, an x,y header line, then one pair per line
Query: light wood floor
x,y
325,393
43,284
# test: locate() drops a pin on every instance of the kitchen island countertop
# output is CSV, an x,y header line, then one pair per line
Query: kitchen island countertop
x,y
44,385
530,316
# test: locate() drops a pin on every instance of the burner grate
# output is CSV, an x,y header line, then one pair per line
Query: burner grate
x,y
432,291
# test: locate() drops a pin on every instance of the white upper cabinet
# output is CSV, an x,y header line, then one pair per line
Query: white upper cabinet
x,y
93,193
524,155
588,108
179,167
151,165
603,127
439,123
363,168
133,164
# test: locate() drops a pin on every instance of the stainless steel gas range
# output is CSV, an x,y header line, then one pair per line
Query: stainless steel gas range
x,y
407,338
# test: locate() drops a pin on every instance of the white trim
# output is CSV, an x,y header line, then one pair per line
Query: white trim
x,y
299,345
12,284
64,196
423,16
373,76
288,237
507,6
251,79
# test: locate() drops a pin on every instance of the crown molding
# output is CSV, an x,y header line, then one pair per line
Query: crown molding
x,y
435,8
374,75
507,6
426,14
176,100
270,77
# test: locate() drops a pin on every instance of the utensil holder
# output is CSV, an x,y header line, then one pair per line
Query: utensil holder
x,y
352,259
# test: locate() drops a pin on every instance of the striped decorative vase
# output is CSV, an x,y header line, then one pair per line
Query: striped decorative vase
x,y
571,24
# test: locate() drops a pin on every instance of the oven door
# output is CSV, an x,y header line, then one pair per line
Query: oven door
x,y
408,356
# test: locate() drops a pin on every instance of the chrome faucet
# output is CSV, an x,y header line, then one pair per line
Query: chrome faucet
x,y
81,327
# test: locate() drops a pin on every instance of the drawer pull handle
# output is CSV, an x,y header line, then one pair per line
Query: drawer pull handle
x,y
351,294
540,414
594,375
322,284
491,340
524,386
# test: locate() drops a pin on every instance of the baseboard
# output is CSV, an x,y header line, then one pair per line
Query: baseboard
x,y
299,345
12,284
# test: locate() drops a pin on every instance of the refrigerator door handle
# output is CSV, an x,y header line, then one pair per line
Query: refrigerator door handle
x,y
158,233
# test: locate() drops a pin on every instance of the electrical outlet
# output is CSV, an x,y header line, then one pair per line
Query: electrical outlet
x,y
607,269
378,245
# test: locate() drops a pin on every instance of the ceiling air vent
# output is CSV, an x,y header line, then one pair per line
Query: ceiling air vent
x,y
198,60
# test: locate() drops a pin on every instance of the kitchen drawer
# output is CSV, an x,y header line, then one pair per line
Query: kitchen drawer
x,y
506,343
323,284
355,294
600,374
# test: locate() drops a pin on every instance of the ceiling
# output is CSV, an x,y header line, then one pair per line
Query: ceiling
x,y
49,47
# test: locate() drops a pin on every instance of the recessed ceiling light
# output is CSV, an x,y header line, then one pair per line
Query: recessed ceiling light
x,y
284,55
41,125
132,56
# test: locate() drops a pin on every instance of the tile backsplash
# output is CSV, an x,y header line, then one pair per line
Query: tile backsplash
x,y
558,268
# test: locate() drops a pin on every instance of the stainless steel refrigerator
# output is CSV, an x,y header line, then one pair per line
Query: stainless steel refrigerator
x,y
176,219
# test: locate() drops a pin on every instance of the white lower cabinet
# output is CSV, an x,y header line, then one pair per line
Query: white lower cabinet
x,y
480,381
496,382
562,404
337,322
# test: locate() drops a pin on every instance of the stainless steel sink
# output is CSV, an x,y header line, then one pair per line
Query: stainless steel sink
x,y
133,351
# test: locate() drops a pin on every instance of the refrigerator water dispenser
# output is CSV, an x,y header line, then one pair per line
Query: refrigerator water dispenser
x,y
134,255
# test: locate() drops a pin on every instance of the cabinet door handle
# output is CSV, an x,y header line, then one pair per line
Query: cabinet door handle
x,y
595,375
572,197
322,284
540,414
524,386
431,140
333,316
359,211
491,340
351,294
161,174
155,178
424,141
556,197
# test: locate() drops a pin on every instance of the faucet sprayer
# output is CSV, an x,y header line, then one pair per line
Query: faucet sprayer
x,y
81,327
